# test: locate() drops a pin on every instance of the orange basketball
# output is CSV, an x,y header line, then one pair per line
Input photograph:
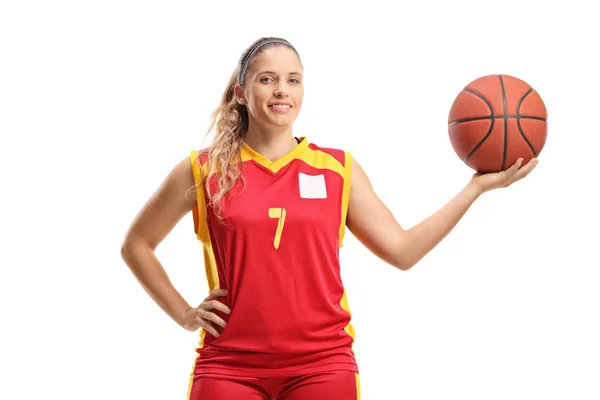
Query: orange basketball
x,y
495,120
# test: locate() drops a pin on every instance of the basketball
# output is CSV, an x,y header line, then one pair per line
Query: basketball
x,y
495,120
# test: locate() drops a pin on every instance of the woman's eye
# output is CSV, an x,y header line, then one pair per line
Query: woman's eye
x,y
266,79
294,80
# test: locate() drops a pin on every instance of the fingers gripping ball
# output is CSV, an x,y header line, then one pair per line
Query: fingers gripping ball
x,y
495,120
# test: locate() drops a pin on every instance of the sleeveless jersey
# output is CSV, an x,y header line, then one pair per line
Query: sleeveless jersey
x,y
276,251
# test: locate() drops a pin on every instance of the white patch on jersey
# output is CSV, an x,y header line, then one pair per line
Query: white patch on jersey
x,y
312,186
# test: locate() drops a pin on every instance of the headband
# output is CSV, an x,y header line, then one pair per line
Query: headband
x,y
248,56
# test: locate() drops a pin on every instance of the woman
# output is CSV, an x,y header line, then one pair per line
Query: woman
x,y
271,212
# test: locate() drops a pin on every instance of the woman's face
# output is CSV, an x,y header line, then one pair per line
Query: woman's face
x,y
273,91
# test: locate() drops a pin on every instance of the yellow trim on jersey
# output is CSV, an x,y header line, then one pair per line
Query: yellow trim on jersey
x,y
357,386
321,160
347,175
249,153
345,194
200,223
200,211
202,226
212,276
344,304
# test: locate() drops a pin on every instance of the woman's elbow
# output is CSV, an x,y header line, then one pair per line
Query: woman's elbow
x,y
130,246
403,259
402,264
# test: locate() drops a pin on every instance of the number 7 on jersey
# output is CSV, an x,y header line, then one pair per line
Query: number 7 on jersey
x,y
278,213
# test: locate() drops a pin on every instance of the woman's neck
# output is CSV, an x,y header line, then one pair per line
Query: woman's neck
x,y
271,145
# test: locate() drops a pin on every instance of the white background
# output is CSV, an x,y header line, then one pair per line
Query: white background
x,y
99,100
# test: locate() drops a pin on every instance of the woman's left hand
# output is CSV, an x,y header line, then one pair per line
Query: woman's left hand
x,y
494,180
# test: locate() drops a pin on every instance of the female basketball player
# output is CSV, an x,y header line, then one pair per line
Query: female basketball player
x,y
271,211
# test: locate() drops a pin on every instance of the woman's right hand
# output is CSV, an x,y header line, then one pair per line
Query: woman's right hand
x,y
203,315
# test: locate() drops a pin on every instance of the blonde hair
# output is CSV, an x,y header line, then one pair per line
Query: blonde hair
x,y
229,123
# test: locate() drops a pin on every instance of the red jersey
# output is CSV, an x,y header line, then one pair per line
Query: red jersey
x,y
276,251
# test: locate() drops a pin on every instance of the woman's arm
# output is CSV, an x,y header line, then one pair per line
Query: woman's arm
x,y
371,222
165,208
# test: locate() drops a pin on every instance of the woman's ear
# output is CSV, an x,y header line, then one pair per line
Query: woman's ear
x,y
238,92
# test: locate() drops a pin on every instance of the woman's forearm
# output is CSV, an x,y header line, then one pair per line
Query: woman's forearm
x,y
143,263
423,237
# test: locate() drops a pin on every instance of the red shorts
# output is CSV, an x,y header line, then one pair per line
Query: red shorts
x,y
339,385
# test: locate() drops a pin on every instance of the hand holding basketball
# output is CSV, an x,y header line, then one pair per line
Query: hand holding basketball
x,y
204,315
494,180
